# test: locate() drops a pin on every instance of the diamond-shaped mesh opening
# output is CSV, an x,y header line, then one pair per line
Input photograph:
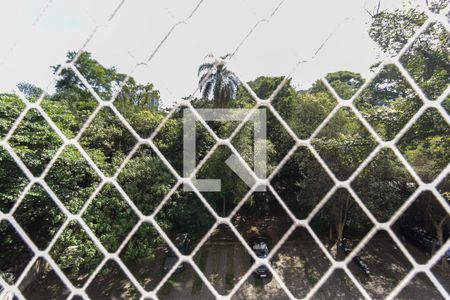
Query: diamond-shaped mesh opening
x,y
76,254
110,217
384,185
233,189
72,179
391,31
437,5
301,182
169,140
145,254
427,133
431,74
422,227
303,111
112,283
338,286
223,259
107,141
262,217
72,105
224,128
420,287
184,215
341,224
35,142
138,103
39,216
344,143
278,141
260,288
385,262
388,102
440,270
186,284
10,108
103,81
146,179
42,282
15,253
12,181
300,262
345,83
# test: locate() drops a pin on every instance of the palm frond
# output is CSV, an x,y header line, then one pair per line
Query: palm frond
x,y
205,66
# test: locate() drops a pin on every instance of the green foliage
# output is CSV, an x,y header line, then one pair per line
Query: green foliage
x,y
146,180
39,216
391,30
388,102
35,142
110,217
426,145
384,185
15,253
302,182
232,188
344,143
107,141
304,111
10,108
169,141
341,210
345,83
101,79
143,246
30,91
69,115
184,213
428,60
12,181
72,179
76,254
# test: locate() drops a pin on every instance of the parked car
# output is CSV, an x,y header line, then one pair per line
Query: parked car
x,y
259,246
346,247
183,243
420,238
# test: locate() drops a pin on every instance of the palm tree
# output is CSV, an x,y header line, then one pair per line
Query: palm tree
x,y
216,82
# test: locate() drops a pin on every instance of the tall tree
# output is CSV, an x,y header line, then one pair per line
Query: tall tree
x,y
217,83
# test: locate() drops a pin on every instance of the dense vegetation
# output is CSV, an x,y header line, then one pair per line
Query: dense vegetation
x,y
344,143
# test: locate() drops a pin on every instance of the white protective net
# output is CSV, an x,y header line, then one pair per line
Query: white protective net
x,y
14,289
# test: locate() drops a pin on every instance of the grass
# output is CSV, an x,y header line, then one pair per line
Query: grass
x,y
259,286
165,289
310,273
229,281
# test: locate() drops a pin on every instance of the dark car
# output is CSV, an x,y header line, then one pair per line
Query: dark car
x,y
420,238
182,242
259,246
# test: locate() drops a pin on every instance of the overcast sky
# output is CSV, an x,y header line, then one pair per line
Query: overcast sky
x,y
293,33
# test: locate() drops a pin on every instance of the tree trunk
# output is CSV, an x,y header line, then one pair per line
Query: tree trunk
x,y
440,235
339,232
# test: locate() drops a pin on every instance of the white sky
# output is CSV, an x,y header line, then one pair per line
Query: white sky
x,y
293,33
